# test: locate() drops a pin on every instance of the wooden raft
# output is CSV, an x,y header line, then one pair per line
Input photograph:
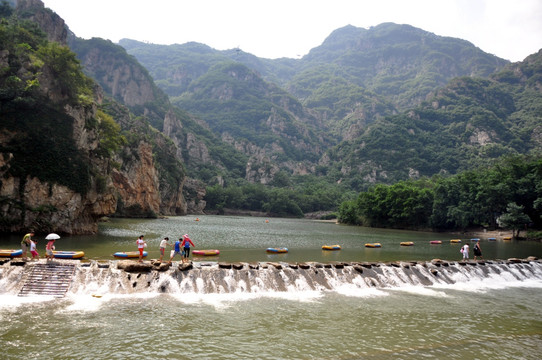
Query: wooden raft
x,y
48,279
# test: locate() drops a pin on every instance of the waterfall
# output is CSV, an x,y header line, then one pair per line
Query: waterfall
x,y
216,278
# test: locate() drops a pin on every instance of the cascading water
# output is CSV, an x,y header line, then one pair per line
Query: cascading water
x,y
257,278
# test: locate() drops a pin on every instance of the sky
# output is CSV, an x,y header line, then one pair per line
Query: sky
x,y
509,29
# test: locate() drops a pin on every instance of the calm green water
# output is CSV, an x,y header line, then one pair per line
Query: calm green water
x,y
246,238
494,318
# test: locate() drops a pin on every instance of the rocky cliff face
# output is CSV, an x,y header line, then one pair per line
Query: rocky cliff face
x,y
132,183
128,82
46,206
52,24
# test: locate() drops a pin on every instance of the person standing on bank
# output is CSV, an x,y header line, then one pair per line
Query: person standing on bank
x,y
186,246
141,244
26,242
477,250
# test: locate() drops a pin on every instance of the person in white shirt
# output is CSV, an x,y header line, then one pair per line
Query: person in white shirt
x,y
465,251
163,244
141,244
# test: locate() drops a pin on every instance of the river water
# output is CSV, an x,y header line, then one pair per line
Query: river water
x,y
475,314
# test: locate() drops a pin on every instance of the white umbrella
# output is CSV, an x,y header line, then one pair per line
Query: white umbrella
x,y
52,236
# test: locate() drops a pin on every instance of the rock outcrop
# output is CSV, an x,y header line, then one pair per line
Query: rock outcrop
x,y
144,178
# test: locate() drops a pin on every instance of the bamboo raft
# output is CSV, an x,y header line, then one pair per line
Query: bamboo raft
x,y
48,279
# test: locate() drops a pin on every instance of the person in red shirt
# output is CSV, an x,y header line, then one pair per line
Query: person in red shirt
x,y
186,246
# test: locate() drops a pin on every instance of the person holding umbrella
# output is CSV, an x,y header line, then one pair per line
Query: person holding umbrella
x,y
50,246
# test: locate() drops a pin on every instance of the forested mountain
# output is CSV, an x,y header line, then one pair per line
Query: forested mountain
x,y
356,76
461,126
391,102
123,78
284,136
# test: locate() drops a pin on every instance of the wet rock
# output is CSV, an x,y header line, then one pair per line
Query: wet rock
x,y
293,266
318,265
532,258
514,260
158,266
339,266
184,266
103,266
223,265
358,268
434,272
304,266
276,265
254,266
367,265
132,266
17,262
238,266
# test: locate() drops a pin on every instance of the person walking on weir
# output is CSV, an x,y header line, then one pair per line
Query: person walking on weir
x,y
141,244
176,250
163,244
477,250
25,243
186,247
465,251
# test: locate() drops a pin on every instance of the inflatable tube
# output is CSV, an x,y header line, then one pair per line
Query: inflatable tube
x,y
128,254
10,253
407,243
475,239
277,250
68,254
373,245
507,238
435,242
331,247
491,239
206,252
455,241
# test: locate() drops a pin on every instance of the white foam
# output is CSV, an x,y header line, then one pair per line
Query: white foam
x,y
420,290
14,301
355,291
224,300
491,282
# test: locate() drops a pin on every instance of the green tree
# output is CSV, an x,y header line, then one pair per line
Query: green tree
x,y
514,218
349,214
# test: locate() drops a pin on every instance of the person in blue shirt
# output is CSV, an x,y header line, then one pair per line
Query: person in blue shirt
x,y
176,250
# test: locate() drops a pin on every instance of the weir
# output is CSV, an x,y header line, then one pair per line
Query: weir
x,y
221,278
